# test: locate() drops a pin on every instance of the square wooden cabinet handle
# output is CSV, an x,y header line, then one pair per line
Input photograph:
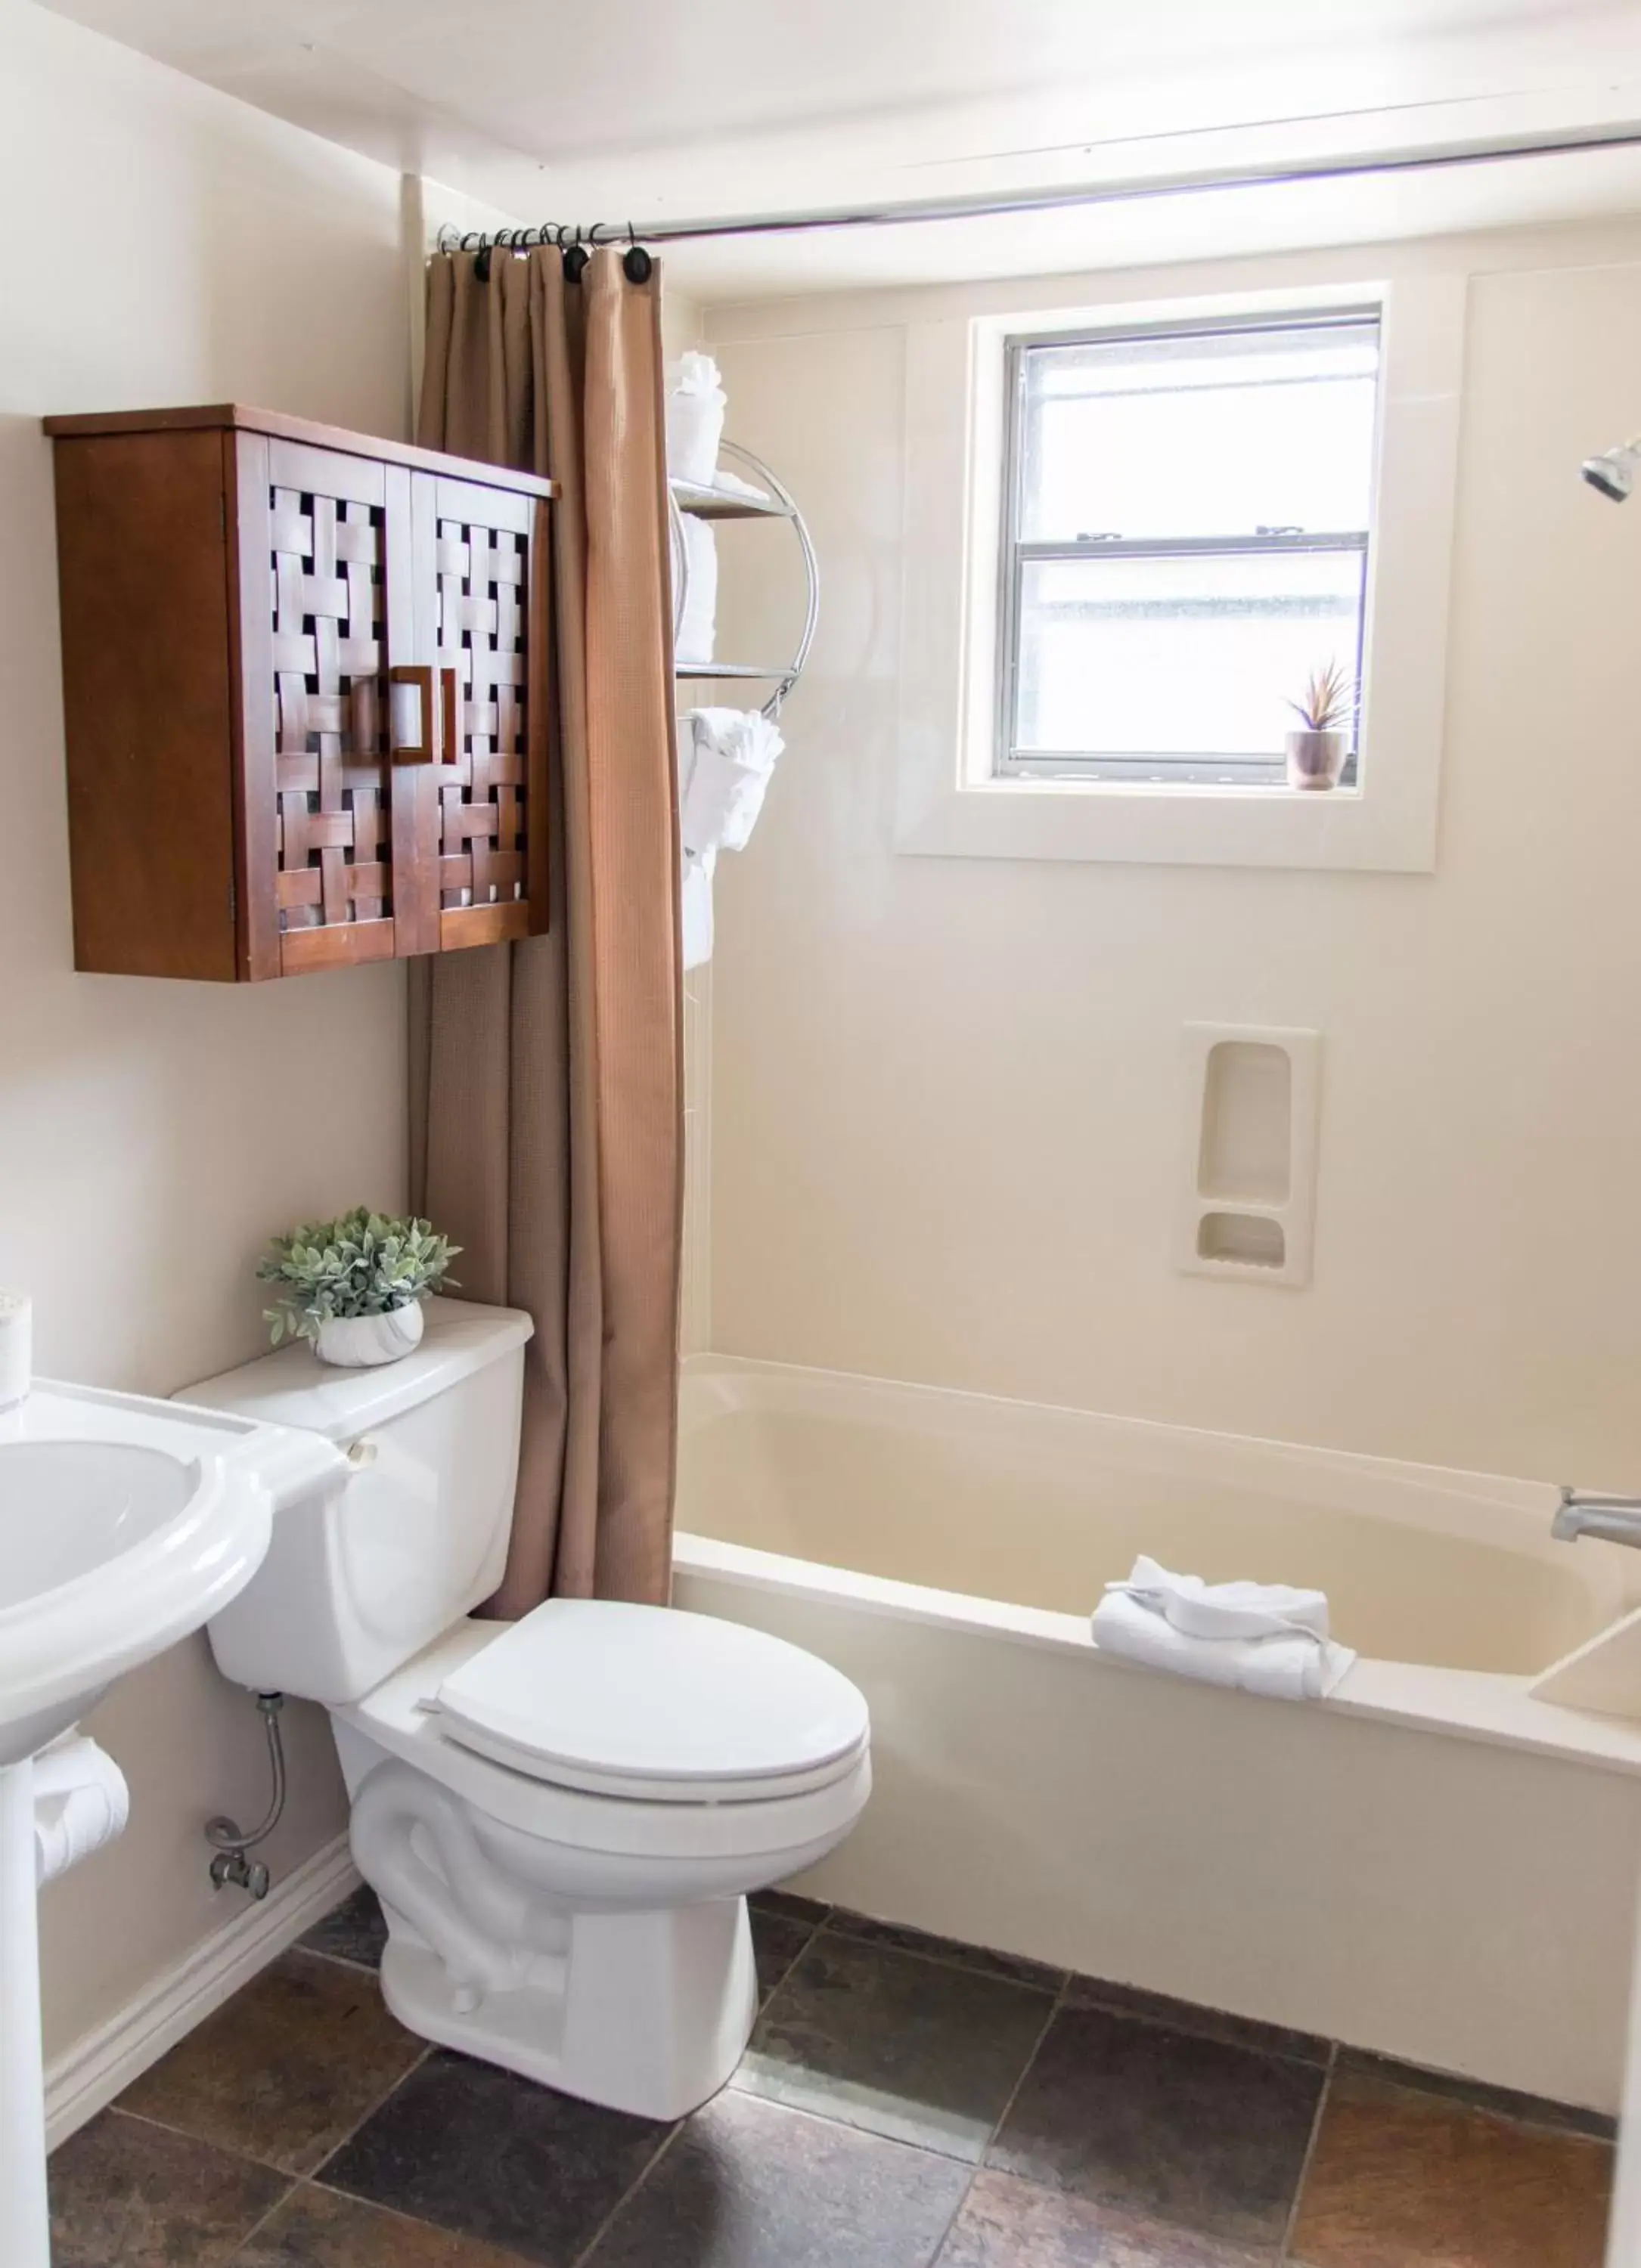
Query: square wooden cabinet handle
x,y
424,751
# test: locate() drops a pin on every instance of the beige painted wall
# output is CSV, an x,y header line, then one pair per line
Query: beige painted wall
x,y
166,244
946,1092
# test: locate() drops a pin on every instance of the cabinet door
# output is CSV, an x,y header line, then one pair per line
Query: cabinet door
x,y
489,640
330,822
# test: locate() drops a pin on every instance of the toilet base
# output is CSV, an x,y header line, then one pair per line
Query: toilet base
x,y
651,2014
540,1958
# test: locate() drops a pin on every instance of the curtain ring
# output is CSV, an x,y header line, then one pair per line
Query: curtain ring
x,y
636,263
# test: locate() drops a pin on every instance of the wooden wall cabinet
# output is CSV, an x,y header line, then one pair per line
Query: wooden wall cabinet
x,y
307,696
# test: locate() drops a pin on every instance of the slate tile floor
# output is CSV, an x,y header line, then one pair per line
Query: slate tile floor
x,y
907,2102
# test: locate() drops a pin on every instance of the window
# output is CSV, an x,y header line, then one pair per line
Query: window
x,y
1186,533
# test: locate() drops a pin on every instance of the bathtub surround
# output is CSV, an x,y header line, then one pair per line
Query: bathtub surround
x,y
546,1105
147,1129
946,1092
909,2102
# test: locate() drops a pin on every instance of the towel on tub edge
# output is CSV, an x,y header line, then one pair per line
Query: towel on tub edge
x,y
1260,1638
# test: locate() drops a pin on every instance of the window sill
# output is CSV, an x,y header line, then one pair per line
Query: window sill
x,y
1141,824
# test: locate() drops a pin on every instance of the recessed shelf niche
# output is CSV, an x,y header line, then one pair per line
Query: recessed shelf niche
x,y
1247,1205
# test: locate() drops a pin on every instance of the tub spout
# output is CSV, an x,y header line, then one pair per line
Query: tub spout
x,y
1613,1519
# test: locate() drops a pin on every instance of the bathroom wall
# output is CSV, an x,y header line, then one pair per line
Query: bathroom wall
x,y
947,1092
163,243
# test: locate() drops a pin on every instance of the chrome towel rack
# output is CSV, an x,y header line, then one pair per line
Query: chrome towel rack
x,y
685,496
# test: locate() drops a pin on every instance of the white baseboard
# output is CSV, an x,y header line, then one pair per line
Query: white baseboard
x,y
86,2077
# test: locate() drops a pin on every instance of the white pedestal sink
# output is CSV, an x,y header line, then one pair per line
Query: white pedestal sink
x,y
124,1525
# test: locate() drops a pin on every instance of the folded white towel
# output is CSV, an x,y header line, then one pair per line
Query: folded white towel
x,y
1261,1638
724,482
698,624
725,759
1225,1609
698,906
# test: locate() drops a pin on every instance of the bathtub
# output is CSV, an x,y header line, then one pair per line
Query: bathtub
x,y
1433,1864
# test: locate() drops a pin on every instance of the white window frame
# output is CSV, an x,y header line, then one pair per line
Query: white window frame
x,y
950,801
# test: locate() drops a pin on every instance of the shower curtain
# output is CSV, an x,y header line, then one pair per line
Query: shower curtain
x,y
546,1107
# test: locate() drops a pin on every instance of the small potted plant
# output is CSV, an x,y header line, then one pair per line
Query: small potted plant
x,y
354,1286
1316,754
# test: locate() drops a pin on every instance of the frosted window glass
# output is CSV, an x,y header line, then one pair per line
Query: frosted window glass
x,y
1178,656
1199,436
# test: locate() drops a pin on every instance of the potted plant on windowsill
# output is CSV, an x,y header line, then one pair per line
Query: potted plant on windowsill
x,y
1316,754
354,1286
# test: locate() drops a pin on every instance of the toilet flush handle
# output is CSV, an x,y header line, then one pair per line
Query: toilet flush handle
x,y
362,1452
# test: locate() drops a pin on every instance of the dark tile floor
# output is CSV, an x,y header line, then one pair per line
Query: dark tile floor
x,y
907,2102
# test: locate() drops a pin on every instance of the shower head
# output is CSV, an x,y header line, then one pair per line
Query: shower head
x,y
1614,471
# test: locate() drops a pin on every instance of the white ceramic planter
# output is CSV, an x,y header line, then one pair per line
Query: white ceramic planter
x,y
1315,759
361,1342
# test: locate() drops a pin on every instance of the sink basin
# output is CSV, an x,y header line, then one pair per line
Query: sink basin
x,y
69,1507
124,1525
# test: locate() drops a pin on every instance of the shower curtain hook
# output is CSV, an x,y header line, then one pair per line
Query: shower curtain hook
x,y
576,258
635,262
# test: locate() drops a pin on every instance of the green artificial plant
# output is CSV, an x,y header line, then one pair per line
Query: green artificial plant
x,y
364,1263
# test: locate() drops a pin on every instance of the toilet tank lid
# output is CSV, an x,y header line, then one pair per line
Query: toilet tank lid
x,y
292,1386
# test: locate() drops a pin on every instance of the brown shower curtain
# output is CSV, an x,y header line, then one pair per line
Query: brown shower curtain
x,y
546,1107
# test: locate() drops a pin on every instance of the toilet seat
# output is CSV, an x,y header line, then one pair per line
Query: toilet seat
x,y
654,1706
398,1718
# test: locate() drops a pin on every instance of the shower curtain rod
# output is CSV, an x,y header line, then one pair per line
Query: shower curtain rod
x,y
1136,190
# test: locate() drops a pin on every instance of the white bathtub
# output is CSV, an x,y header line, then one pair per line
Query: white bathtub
x,y
1432,1864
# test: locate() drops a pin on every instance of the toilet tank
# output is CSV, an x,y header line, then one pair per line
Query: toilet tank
x,y
412,1531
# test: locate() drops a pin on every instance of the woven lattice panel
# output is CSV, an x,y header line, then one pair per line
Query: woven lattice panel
x,y
332,773
482,634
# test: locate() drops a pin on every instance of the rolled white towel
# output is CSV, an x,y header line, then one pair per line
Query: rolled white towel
x,y
695,418
1260,1637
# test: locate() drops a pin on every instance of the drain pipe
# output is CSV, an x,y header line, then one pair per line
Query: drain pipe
x,y
232,1867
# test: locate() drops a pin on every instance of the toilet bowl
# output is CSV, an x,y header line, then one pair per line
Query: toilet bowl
x,y
563,1815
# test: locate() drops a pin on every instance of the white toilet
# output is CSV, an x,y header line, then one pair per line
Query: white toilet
x,y
561,1816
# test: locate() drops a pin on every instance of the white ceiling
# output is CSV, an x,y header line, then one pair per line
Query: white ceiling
x,y
650,110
